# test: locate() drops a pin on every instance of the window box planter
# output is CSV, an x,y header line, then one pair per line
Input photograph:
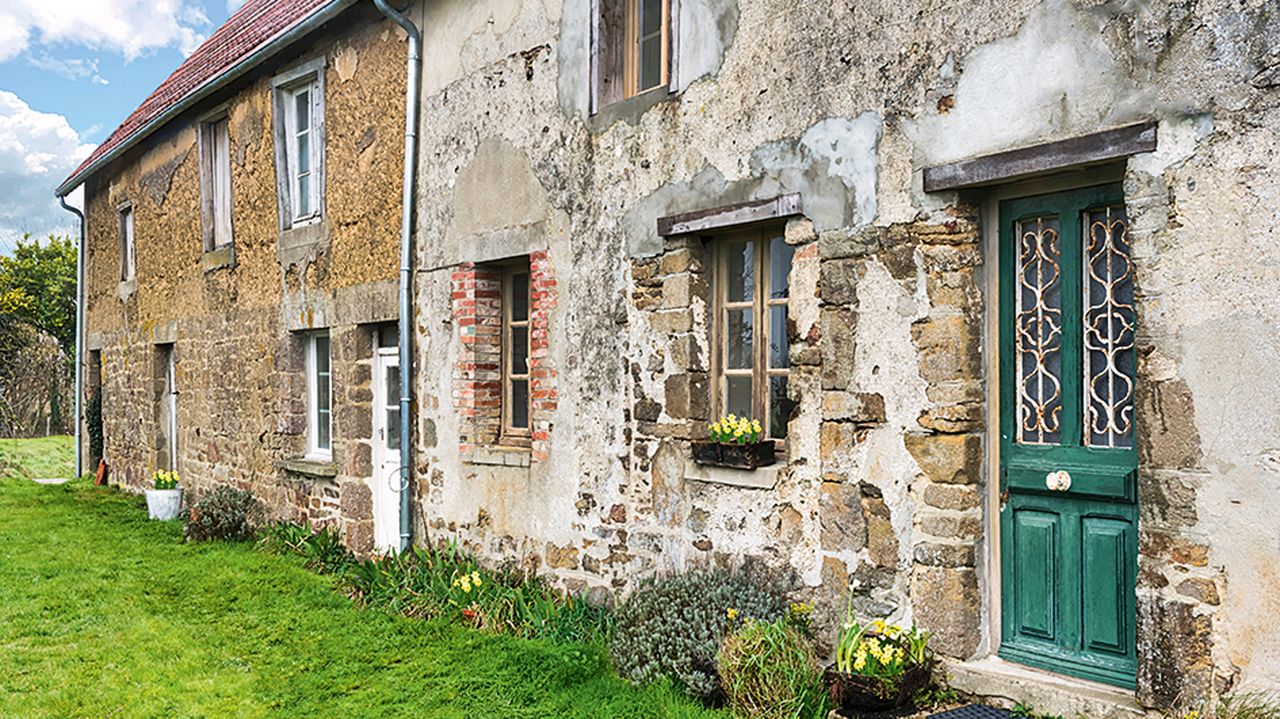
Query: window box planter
x,y
738,456
164,504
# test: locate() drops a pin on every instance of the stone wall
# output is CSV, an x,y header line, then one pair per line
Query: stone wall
x,y
237,327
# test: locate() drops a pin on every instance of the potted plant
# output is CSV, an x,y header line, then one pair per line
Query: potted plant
x,y
735,442
165,501
879,667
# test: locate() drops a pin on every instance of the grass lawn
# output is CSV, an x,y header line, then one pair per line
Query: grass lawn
x,y
39,458
104,614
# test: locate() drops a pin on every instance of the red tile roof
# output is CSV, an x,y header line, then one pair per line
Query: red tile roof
x,y
254,25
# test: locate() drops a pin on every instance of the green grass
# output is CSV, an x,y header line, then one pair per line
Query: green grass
x,y
39,458
104,614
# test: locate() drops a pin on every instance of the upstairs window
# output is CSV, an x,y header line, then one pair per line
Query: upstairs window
x,y
215,182
128,255
752,349
319,398
631,48
300,139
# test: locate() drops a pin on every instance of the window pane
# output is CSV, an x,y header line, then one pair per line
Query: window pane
x,y
304,195
520,296
323,430
738,396
302,111
650,17
779,344
520,404
519,350
322,354
738,338
780,254
780,407
388,335
650,62
304,153
393,428
741,271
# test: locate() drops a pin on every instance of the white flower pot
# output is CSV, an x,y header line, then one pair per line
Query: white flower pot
x,y
164,504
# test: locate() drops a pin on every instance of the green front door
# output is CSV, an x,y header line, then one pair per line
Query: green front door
x,y
1068,503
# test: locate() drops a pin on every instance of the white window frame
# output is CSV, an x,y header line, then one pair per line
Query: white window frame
x,y
215,180
314,419
128,246
307,77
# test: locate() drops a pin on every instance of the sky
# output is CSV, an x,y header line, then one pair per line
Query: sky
x,y
70,72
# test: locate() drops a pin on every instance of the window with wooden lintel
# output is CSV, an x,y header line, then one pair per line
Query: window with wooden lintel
x,y
515,353
300,143
751,360
631,48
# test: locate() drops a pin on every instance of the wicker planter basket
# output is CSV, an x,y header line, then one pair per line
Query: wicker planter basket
x,y
853,694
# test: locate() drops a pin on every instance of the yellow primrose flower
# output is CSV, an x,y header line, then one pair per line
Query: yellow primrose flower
x,y
731,613
860,663
475,579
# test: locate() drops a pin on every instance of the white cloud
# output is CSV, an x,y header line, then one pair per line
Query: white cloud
x,y
37,152
70,68
130,27
233,5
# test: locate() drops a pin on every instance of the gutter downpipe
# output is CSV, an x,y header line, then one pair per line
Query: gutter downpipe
x,y
412,91
79,390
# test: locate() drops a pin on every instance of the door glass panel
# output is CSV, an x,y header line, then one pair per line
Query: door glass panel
x,y
1038,331
519,350
393,407
738,399
520,404
1109,357
780,407
780,256
740,277
738,335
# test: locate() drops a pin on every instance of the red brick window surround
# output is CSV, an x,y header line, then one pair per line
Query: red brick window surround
x,y
503,387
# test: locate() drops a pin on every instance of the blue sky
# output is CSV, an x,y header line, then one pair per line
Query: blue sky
x,y
70,72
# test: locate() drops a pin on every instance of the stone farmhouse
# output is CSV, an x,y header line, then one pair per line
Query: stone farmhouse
x,y
998,277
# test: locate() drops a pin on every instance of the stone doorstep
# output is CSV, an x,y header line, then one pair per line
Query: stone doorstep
x,y
1007,683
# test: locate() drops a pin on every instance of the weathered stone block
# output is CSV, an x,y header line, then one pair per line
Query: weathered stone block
x,y
1200,589
946,603
671,321
843,528
685,353
950,348
838,281
951,525
565,557
835,438
882,542
839,325
947,458
1175,663
357,501
864,408
1168,438
937,554
949,496
688,396
956,418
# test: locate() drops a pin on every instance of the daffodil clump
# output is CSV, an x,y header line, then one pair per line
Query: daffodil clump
x,y
165,480
467,582
880,650
733,429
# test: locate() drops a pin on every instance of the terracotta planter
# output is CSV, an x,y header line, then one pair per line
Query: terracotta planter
x,y
853,694
739,456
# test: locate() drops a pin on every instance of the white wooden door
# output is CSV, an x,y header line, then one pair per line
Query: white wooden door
x,y
386,449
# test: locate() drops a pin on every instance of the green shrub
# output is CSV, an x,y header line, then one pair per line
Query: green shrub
x,y
222,513
768,671
673,627
322,550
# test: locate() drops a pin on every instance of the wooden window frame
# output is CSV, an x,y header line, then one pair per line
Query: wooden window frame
x,y
309,77
760,305
508,434
314,450
614,52
215,180
128,242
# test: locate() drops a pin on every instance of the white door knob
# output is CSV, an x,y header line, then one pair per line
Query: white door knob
x,y
1059,481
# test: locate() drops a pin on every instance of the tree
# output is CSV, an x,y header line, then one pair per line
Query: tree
x,y
37,335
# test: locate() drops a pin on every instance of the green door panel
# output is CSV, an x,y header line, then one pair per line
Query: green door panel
x,y
1068,514
1035,533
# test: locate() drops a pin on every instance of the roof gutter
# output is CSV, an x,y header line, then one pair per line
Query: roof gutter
x,y
412,89
250,61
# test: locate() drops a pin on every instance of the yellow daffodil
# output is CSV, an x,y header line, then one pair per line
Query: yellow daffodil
x,y
731,613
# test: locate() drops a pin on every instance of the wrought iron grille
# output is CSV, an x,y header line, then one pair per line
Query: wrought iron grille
x,y
1038,331
1109,358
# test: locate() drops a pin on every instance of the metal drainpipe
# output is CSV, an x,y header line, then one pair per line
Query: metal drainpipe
x,y
406,262
79,332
